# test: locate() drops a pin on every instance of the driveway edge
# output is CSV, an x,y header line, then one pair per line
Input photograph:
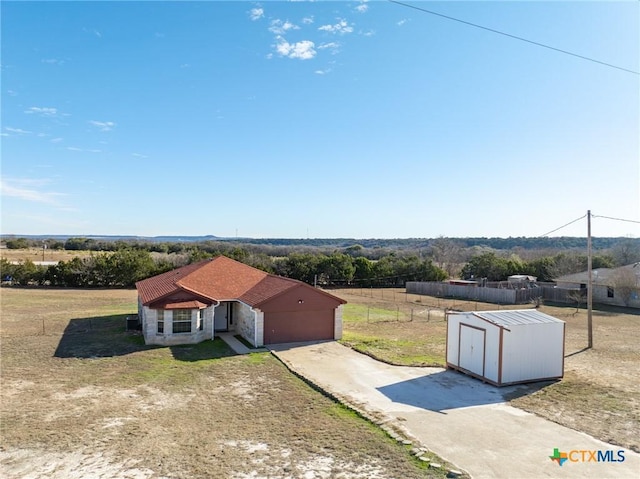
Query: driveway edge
x,y
394,431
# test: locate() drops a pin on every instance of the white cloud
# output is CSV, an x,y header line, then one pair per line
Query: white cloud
x,y
103,125
29,190
18,131
401,22
52,61
12,93
339,28
256,13
139,155
333,46
329,45
43,111
307,20
304,50
56,140
92,31
279,27
323,72
75,148
363,7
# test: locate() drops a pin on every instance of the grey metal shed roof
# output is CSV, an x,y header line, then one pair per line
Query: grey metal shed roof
x,y
516,317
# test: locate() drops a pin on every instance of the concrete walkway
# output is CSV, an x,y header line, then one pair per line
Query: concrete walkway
x,y
461,419
236,345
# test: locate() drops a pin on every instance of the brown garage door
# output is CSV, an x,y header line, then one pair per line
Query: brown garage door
x,y
292,326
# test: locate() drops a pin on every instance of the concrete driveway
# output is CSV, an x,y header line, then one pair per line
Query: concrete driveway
x,y
457,417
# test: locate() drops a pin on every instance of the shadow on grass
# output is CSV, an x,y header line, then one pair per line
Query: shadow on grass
x,y
209,349
98,337
600,309
449,389
106,336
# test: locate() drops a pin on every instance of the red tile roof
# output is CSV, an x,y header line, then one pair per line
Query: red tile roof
x,y
217,279
170,304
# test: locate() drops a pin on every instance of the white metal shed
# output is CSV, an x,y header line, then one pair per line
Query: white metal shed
x,y
506,347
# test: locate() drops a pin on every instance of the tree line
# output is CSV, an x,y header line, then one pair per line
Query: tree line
x,y
492,267
122,263
124,267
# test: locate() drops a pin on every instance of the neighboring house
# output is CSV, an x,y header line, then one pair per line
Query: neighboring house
x,y
615,286
192,303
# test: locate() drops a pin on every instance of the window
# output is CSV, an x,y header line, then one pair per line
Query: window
x,y
609,292
182,321
160,317
201,319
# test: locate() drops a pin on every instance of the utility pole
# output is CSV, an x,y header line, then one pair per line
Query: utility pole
x,y
589,282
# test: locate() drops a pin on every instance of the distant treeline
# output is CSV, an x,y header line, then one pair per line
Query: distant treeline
x,y
287,245
347,267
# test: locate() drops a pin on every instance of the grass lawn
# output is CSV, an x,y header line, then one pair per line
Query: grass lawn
x,y
88,399
599,394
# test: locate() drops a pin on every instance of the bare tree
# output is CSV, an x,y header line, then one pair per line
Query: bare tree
x,y
447,255
626,283
626,252
579,297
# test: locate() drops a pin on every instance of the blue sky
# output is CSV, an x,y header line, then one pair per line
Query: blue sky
x,y
319,119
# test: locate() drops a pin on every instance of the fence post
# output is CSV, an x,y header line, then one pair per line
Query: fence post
x,y
43,326
368,313
412,314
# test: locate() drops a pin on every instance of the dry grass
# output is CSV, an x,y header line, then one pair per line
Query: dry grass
x,y
87,399
599,395
35,254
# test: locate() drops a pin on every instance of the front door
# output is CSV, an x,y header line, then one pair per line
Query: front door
x,y
221,317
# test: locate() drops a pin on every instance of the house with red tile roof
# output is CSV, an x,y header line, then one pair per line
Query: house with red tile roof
x,y
193,303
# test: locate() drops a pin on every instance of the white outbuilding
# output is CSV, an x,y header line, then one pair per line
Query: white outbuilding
x,y
506,347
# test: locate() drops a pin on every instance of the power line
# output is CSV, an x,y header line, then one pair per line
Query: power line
x,y
616,219
564,226
424,10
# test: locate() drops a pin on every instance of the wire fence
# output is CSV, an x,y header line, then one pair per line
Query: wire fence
x,y
388,305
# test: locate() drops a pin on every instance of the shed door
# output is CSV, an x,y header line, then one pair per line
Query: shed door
x,y
471,349
293,326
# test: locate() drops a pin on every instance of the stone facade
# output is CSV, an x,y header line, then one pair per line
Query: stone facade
x,y
244,319
149,321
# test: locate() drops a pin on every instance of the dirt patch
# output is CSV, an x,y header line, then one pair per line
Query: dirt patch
x,y
598,394
95,402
